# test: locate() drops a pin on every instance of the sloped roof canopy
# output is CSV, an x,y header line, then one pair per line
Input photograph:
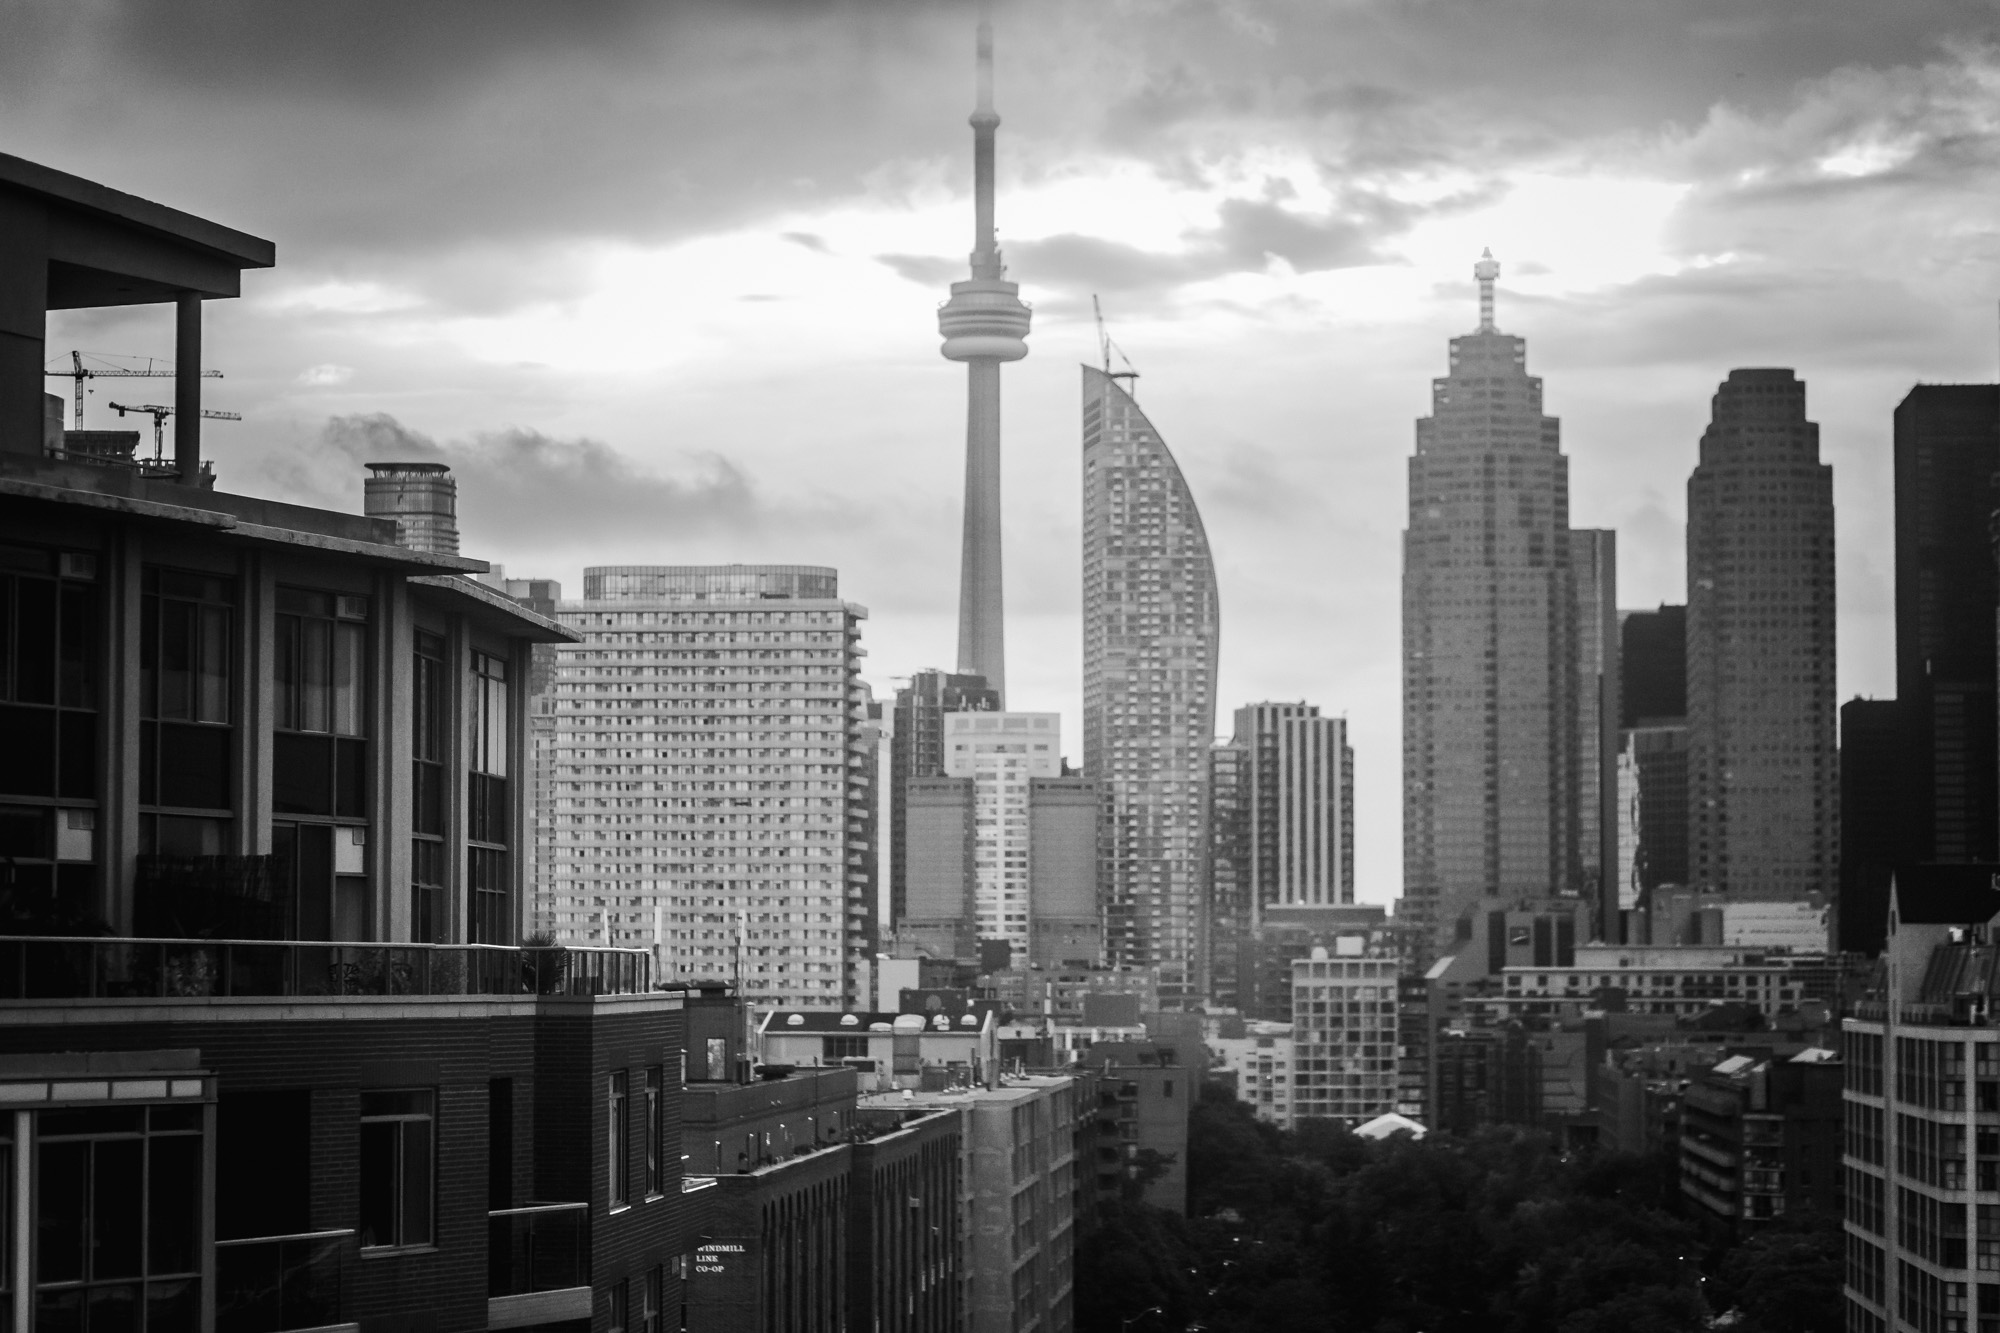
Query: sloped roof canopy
x,y
102,247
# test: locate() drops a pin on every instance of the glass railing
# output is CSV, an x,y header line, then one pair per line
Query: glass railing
x,y
52,967
272,1283
542,1247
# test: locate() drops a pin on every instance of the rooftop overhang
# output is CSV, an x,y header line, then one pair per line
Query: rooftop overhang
x,y
88,503
103,247
496,608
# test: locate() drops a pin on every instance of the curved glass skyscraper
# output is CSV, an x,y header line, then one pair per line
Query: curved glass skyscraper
x,y
1151,625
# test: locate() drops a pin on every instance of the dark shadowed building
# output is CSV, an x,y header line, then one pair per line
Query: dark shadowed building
x,y
1762,763
1947,451
262,882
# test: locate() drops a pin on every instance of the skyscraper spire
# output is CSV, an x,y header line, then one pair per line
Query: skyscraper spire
x,y
1487,270
984,323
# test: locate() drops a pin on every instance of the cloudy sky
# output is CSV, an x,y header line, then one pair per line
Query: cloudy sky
x,y
659,279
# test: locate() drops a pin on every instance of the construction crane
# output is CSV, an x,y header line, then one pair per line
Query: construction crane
x,y
160,414
1105,347
80,372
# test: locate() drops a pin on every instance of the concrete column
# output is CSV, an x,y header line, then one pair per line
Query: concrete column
x,y
187,387
24,302
982,645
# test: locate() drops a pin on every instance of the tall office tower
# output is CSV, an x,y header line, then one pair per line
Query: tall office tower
x,y
1003,846
1762,767
1489,634
1280,833
1228,835
1593,559
1151,629
1878,802
1653,736
984,323
1300,794
999,753
1652,667
1947,450
916,750
866,811
701,786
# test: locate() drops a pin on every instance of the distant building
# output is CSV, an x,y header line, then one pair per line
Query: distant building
x,y
1653,662
1002,850
1762,764
1020,1170
1878,829
1151,625
1228,878
917,751
1593,558
706,769
1761,1138
1281,833
1265,956
819,1215
1262,1062
1947,448
1490,646
1344,1029
1922,1054
1652,759
1145,1093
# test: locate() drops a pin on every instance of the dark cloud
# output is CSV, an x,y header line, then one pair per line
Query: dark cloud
x,y
924,270
366,128
523,488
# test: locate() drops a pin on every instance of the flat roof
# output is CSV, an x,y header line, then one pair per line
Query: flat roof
x,y
89,196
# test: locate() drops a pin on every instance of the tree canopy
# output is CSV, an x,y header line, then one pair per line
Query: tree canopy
x,y
1498,1232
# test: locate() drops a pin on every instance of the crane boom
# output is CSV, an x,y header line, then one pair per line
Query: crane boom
x,y
79,372
160,413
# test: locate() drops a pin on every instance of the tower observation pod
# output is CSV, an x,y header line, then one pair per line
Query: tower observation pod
x,y
983,324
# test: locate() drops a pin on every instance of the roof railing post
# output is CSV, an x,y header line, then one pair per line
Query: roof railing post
x,y
187,387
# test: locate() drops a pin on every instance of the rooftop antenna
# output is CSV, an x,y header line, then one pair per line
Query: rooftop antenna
x,y
1105,347
1487,270
80,372
160,414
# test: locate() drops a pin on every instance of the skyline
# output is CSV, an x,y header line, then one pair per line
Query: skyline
x,y
1751,239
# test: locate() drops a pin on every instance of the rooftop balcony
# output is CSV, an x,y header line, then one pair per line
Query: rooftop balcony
x,y
52,967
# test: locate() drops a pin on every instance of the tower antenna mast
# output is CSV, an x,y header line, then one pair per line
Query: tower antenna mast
x,y
1105,347
984,324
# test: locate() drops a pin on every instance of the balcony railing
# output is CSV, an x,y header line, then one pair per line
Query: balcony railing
x,y
542,1247
272,1283
53,967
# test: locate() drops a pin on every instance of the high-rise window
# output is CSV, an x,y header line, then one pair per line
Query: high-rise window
x,y
118,1217
620,1303
429,916
186,678
487,830
319,765
649,1321
320,751
655,1130
48,734
618,1142
398,1167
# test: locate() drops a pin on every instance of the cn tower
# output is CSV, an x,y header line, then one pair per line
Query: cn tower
x,y
984,323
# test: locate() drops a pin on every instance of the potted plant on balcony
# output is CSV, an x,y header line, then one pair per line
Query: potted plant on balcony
x,y
544,964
